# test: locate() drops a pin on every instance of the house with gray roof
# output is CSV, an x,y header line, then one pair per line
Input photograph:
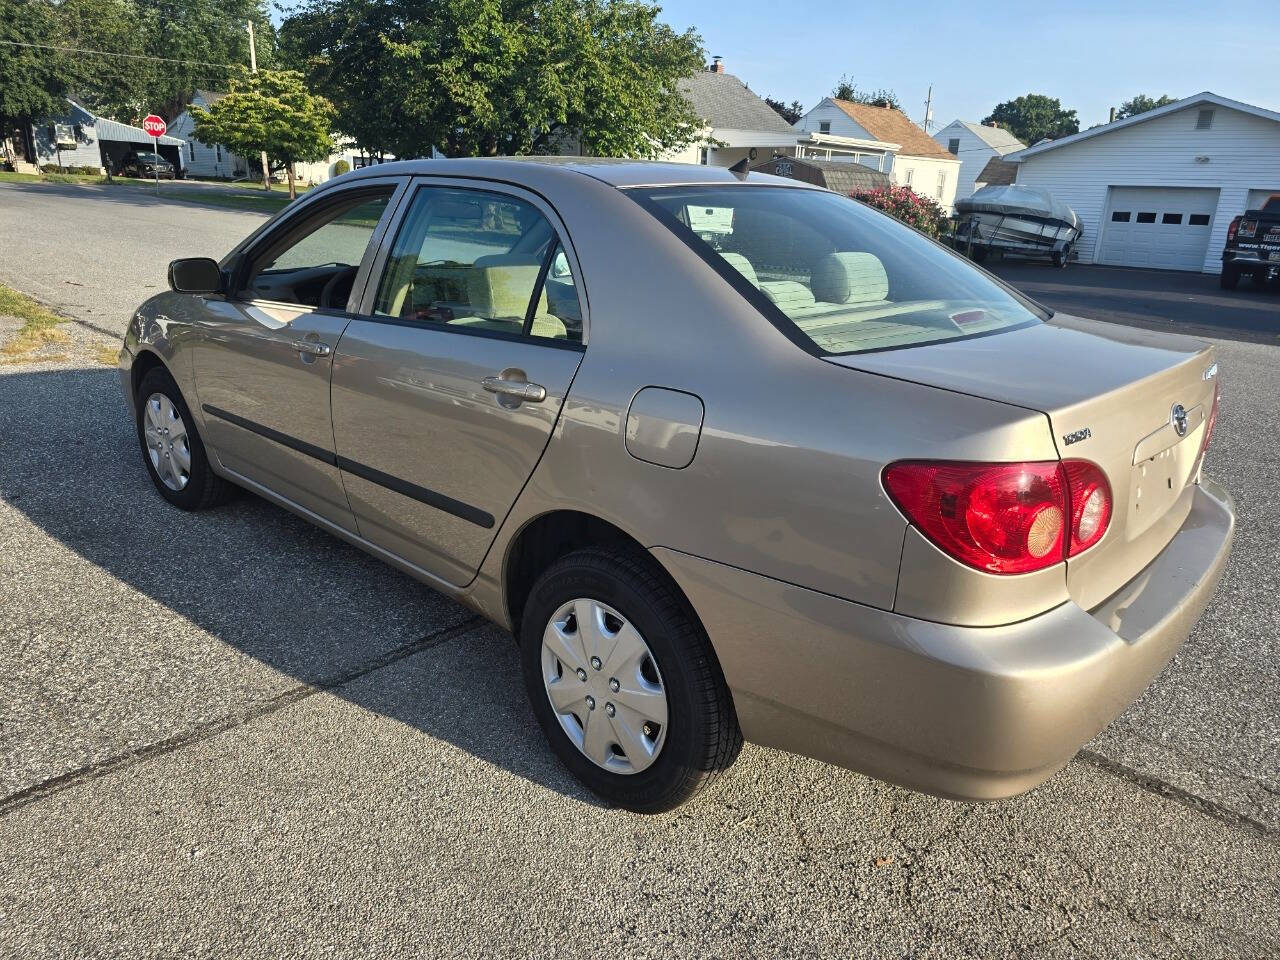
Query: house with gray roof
x,y
974,144
207,159
738,124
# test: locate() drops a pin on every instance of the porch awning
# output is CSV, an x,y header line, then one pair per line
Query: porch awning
x,y
111,130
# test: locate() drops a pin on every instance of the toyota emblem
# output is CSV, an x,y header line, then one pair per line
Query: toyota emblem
x,y
1179,419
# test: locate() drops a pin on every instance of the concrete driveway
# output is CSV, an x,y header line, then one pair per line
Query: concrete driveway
x,y
230,734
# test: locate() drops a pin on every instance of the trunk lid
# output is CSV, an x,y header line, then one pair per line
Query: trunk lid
x,y
1109,393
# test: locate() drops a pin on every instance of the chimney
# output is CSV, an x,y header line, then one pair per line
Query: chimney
x,y
1112,118
717,65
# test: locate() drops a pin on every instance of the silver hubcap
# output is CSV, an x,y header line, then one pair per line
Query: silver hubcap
x,y
167,444
604,686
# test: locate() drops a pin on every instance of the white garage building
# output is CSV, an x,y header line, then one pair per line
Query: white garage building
x,y
1159,189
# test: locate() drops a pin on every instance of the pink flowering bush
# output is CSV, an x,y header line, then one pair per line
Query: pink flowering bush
x,y
906,205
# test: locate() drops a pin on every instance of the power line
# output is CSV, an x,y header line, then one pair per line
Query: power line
x,y
126,56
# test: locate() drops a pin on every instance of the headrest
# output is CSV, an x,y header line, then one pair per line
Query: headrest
x,y
849,277
787,294
742,265
500,285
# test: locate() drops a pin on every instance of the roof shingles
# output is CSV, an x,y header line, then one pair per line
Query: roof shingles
x,y
892,126
722,101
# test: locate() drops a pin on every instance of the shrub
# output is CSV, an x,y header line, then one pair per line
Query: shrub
x,y
906,205
341,167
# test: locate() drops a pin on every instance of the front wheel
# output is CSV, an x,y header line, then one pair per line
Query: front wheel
x,y
171,447
624,682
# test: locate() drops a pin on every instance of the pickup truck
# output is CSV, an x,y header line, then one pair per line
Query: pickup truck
x,y
1253,245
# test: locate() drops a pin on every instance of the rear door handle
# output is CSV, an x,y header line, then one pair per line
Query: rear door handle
x,y
515,389
312,347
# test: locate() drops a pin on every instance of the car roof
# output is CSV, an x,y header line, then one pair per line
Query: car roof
x,y
616,172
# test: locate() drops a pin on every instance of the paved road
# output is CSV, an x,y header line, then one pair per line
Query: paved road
x,y
96,252
1190,303
229,733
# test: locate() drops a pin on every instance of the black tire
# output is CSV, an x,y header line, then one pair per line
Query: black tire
x,y
702,736
979,254
204,488
1229,278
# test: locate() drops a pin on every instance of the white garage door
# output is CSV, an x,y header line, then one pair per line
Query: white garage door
x,y
1165,227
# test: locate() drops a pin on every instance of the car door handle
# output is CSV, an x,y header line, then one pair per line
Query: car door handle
x,y
313,347
516,389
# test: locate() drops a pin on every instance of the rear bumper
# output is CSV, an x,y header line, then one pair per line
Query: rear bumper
x,y
975,713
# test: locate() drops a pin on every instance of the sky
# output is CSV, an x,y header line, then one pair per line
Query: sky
x,y
1090,55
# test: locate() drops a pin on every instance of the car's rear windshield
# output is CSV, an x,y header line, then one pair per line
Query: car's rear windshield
x,y
846,277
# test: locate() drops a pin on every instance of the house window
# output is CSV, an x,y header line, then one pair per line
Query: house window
x,y
942,184
1120,216
1204,120
1171,218
953,146
911,172
1146,218
824,126
1199,220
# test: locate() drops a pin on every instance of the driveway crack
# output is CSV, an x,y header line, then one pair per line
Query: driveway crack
x,y
205,731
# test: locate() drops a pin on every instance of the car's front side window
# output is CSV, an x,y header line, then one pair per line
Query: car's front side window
x,y
316,265
479,261
843,277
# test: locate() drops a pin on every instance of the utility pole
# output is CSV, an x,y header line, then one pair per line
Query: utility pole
x,y
928,110
253,68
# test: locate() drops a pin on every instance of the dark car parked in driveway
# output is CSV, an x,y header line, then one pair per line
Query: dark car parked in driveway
x,y
1253,245
147,165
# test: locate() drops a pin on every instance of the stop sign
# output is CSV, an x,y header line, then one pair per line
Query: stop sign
x,y
154,126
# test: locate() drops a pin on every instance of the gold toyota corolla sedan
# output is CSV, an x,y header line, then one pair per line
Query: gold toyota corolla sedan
x,y
732,456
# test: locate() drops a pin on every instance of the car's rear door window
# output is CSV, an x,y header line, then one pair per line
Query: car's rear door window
x,y
838,276
479,261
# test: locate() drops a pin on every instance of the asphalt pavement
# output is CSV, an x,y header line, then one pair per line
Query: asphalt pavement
x,y
230,734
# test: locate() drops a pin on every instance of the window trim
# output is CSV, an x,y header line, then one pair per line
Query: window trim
x,y
770,310
369,293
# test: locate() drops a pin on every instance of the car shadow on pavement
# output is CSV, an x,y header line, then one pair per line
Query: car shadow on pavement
x,y
258,579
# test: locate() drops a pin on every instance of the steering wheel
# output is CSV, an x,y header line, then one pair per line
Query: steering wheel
x,y
345,275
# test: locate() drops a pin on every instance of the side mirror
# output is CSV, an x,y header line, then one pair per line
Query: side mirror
x,y
195,275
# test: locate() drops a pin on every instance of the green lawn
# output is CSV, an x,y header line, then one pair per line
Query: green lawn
x,y
39,326
236,196
7,177
259,202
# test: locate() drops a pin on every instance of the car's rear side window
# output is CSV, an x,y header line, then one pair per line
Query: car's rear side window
x,y
841,277
479,261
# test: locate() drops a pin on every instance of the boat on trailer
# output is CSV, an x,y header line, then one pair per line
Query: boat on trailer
x,y
1017,221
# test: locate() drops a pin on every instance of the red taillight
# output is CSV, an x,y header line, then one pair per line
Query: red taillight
x,y
1004,517
1090,497
1231,229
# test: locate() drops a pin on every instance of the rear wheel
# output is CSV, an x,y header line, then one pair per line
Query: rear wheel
x,y
623,681
1229,277
172,450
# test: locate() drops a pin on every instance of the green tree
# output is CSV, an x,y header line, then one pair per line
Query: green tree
x,y
790,112
270,111
1033,117
210,39
32,80
109,86
1141,104
486,77
846,90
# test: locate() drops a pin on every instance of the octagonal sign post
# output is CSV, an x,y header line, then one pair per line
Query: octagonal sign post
x,y
156,127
